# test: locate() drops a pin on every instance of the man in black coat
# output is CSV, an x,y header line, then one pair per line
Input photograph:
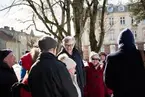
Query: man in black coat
x,y
69,49
48,76
7,74
125,73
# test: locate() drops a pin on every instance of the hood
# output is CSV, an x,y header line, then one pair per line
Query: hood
x,y
26,61
126,40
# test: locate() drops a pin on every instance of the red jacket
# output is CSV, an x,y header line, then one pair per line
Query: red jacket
x,y
26,63
23,92
95,86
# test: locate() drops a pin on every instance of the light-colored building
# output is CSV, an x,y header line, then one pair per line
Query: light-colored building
x,y
117,18
18,42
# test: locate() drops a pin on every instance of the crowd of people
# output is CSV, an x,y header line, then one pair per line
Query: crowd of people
x,y
46,73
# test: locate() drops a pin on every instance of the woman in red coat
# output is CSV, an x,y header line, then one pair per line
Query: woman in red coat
x,y
95,86
27,61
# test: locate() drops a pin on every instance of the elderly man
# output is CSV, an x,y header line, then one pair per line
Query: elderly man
x,y
69,49
49,77
7,74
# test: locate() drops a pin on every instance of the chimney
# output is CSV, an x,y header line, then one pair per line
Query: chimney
x,y
7,27
12,28
22,31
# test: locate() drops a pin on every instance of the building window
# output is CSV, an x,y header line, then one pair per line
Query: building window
x,y
112,35
133,22
122,20
135,34
111,21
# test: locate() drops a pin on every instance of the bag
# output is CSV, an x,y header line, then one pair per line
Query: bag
x,y
143,56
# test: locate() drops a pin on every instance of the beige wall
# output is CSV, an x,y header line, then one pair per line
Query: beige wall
x,y
14,47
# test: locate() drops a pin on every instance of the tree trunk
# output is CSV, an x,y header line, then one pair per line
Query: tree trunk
x,y
102,34
93,15
68,16
77,6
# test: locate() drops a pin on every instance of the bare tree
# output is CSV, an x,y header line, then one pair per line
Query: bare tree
x,y
58,16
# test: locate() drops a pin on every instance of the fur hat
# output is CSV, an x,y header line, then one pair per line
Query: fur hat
x,y
4,53
68,61
45,43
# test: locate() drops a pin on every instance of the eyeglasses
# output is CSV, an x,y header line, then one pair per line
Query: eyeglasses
x,y
95,59
68,45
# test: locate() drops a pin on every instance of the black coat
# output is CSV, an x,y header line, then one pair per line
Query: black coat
x,y
79,67
125,73
7,79
50,78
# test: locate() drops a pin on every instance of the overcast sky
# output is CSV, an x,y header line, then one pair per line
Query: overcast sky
x,y
11,18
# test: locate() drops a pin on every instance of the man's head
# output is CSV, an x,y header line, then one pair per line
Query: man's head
x,y
46,44
68,43
126,39
8,57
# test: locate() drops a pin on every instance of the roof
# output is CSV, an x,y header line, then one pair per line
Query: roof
x,y
6,37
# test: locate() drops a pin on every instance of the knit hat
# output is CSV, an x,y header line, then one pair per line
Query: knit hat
x,y
26,61
4,53
45,43
68,61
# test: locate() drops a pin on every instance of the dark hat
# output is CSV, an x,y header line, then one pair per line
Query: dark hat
x,y
46,43
4,53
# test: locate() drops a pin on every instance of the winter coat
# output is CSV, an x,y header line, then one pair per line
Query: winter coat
x,y
79,67
95,86
125,73
49,78
7,79
26,63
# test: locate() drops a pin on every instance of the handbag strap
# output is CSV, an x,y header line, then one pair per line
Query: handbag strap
x,y
143,56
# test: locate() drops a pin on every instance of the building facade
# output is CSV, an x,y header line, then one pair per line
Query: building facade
x,y
16,41
117,18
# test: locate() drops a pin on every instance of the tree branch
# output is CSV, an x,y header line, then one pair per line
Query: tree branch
x,y
8,7
37,28
143,4
52,12
40,17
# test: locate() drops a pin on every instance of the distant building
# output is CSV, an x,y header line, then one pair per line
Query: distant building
x,y
16,41
117,18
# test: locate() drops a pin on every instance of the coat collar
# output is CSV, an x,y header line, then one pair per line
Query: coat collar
x,y
47,55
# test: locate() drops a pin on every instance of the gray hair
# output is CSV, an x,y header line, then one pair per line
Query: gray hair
x,y
68,39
